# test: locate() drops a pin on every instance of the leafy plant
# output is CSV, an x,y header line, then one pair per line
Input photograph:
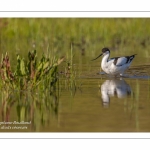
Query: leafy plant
x,y
29,73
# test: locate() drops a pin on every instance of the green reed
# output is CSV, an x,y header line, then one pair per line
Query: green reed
x,y
69,75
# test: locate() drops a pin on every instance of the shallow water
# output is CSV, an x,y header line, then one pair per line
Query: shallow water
x,y
95,102
105,104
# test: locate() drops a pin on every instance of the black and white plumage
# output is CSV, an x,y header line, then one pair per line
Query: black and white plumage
x,y
116,65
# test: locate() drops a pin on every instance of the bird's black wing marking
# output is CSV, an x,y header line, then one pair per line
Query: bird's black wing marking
x,y
130,58
119,61
115,61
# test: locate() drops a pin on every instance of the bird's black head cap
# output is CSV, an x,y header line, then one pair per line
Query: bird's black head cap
x,y
105,49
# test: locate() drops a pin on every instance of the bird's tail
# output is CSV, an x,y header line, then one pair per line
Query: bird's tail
x,y
131,58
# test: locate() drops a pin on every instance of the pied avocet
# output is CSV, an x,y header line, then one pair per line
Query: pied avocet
x,y
116,65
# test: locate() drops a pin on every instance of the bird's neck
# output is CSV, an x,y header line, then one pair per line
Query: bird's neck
x,y
105,58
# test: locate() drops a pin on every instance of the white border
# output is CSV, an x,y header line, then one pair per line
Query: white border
x,y
82,14
63,135
43,9
74,5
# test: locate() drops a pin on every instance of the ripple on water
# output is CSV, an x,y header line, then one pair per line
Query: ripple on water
x,y
136,72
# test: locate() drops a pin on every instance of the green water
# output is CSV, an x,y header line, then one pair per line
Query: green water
x,y
97,104
88,101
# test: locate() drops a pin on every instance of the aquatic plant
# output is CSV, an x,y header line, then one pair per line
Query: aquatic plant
x,y
69,71
31,87
29,73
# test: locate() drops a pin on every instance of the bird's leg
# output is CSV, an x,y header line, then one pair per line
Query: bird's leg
x,y
123,76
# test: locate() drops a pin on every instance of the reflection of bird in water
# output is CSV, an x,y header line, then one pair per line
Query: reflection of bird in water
x,y
116,65
114,87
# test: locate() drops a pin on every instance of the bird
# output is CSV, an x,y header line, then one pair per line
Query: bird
x,y
114,66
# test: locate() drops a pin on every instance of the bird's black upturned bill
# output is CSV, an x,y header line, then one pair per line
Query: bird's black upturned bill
x,y
97,57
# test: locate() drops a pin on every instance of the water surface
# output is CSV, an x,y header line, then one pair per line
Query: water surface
x,y
95,102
